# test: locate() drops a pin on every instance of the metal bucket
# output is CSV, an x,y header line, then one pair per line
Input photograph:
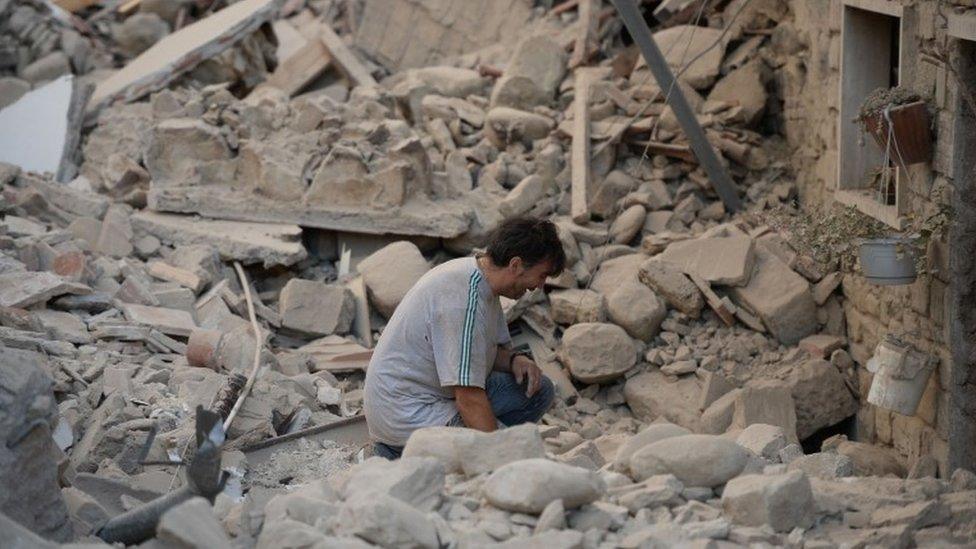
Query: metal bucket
x,y
888,261
901,374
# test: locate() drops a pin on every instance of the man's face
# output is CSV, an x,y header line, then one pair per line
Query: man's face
x,y
523,280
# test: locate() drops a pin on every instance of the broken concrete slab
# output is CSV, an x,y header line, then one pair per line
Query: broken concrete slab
x,y
417,216
727,261
182,51
266,243
25,288
167,321
41,130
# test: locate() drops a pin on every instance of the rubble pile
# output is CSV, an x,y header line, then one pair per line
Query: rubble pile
x,y
699,359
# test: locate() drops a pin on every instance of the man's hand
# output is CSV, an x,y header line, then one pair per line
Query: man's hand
x,y
522,368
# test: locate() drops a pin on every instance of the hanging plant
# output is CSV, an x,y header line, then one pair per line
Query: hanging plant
x,y
900,123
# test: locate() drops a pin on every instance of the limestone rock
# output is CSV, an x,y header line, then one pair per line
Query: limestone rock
x,y
28,467
549,539
651,434
683,42
316,308
630,304
185,152
653,395
505,125
780,297
696,460
781,501
575,306
192,524
597,352
417,481
745,88
673,285
723,260
390,272
821,396
388,522
486,452
528,486
869,460
766,402
829,465
616,185
525,196
138,32
440,443
628,224
763,440
532,75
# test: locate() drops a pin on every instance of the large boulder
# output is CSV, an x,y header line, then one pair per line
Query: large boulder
x,y
783,502
821,396
653,395
630,304
575,306
651,434
390,272
697,460
528,486
596,352
316,308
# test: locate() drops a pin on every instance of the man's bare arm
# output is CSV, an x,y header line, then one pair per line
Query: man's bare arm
x,y
472,403
502,359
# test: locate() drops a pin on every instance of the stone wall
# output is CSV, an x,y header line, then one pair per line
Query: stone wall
x,y
808,85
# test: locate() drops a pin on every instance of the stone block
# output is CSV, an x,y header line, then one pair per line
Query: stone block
x,y
826,465
390,272
765,402
596,352
696,460
525,196
316,308
653,395
821,396
168,321
576,306
192,524
726,261
783,502
673,285
780,297
763,440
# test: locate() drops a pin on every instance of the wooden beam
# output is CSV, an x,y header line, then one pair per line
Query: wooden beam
x,y
588,26
655,60
301,68
345,60
580,153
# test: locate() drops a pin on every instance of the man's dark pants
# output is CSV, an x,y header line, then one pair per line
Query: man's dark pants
x,y
508,403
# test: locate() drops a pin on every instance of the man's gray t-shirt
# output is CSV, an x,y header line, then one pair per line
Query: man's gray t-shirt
x,y
444,333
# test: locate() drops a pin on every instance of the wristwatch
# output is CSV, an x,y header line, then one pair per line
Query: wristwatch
x,y
511,357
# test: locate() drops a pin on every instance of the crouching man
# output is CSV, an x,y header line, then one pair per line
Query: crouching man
x,y
443,358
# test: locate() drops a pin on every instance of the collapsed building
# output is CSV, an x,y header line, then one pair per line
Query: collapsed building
x,y
243,195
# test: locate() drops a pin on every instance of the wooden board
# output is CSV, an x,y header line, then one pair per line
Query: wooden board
x,y
580,153
345,60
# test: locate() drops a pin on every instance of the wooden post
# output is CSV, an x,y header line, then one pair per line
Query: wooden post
x,y
686,117
589,27
580,153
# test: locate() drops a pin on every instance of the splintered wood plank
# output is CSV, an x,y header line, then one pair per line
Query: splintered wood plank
x,y
301,68
588,28
580,153
344,59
